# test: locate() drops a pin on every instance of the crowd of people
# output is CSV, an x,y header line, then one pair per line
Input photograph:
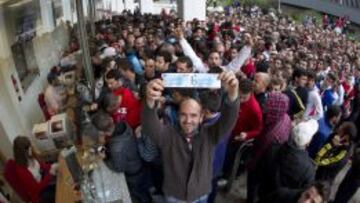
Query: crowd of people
x,y
293,90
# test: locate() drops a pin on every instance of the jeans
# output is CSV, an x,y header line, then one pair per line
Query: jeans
x,y
202,199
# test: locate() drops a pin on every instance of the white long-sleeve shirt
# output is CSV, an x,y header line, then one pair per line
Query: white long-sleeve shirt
x,y
235,65
314,108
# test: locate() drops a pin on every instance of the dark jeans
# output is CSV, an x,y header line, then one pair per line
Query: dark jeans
x,y
232,148
139,187
47,195
348,187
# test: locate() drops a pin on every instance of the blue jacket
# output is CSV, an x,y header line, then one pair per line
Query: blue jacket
x,y
328,98
321,137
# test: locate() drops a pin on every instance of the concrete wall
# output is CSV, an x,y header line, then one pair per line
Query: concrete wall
x,y
327,7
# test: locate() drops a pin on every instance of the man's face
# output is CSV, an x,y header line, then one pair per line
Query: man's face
x,y
258,83
160,64
301,81
149,67
310,195
278,64
244,97
182,68
310,83
113,84
234,53
139,43
190,116
221,49
130,40
214,59
303,64
335,120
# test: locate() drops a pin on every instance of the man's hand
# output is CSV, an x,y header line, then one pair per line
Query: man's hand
x,y
241,137
138,132
231,84
154,92
179,33
54,169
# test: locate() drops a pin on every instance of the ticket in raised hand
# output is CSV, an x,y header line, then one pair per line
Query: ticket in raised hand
x,y
191,80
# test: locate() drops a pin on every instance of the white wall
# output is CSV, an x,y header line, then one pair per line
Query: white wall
x,y
17,117
188,9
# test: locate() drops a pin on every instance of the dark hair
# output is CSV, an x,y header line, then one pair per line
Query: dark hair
x,y
323,188
185,59
211,100
299,72
333,77
102,121
185,92
21,148
333,111
349,129
125,65
213,51
113,74
51,77
246,86
166,55
89,131
110,101
311,75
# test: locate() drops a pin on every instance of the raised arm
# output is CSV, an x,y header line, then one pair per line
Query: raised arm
x,y
230,108
150,120
236,64
198,65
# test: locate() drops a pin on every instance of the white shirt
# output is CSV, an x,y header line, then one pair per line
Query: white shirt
x,y
235,65
54,98
341,93
34,169
314,108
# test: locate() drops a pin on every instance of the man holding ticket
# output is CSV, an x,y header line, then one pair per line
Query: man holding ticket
x,y
188,149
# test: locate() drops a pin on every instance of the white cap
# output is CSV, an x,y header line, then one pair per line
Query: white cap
x,y
303,132
108,52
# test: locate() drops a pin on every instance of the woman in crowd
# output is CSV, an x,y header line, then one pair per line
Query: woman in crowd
x,y
37,178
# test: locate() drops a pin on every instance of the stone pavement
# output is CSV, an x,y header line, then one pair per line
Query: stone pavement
x,y
237,193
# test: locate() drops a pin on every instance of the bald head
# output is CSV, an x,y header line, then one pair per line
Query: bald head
x,y
190,116
262,81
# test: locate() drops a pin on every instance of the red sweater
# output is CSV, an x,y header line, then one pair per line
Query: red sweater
x,y
249,120
30,185
129,109
249,68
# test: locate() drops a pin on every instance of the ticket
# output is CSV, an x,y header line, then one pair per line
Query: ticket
x,y
191,80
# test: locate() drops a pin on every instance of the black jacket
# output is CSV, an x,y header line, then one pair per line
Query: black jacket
x,y
122,153
296,169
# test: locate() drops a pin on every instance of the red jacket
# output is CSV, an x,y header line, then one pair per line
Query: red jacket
x,y
31,186
249,120
129,109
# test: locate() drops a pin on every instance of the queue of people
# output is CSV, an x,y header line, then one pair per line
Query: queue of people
x,y
292,89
